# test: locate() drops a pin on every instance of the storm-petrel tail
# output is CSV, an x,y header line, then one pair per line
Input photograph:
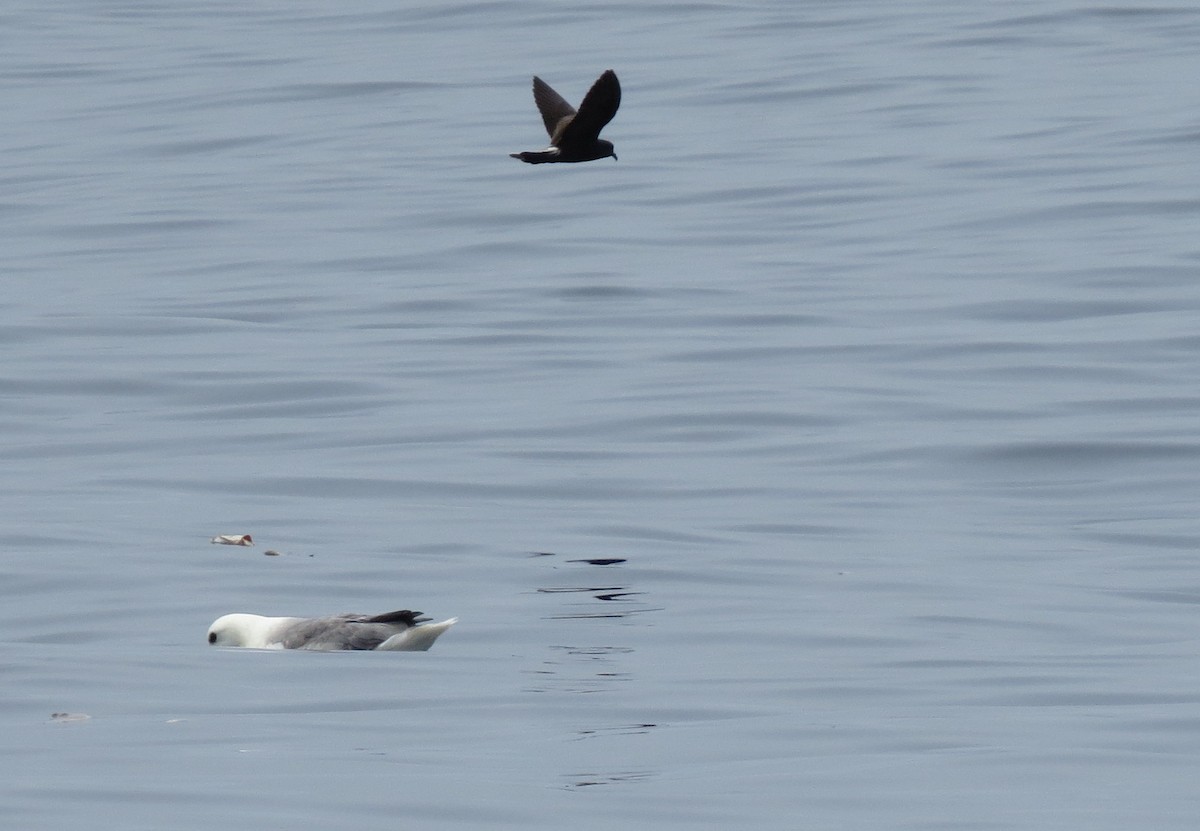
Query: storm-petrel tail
x,y
575,136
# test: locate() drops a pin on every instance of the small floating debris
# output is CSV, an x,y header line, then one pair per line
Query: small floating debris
x,y
69,718
271,552
232,539
601,561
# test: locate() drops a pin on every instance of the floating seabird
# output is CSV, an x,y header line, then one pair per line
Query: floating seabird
x,y
575,136
402,631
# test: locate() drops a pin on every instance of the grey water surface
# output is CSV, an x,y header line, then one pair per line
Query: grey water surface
x,y
829,461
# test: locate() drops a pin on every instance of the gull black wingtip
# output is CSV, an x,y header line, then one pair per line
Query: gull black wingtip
x,y
575,135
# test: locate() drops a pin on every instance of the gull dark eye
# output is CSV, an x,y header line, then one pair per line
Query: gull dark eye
x,y
212,637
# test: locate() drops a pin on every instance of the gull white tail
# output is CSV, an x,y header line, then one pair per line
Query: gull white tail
x,y
416,638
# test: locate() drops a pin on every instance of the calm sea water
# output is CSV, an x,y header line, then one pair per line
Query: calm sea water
x,y
828,461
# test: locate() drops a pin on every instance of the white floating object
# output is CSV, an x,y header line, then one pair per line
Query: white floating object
x,y
232,539
402,631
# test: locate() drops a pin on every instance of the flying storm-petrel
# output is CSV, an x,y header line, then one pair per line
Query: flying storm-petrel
x,y
575,136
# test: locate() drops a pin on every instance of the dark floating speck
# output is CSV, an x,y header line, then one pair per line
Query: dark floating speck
x,y
601,561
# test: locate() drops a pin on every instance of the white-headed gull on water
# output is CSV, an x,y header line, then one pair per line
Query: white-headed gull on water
x,y
402,631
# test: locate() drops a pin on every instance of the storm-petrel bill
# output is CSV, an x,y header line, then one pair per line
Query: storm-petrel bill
x,y
575,136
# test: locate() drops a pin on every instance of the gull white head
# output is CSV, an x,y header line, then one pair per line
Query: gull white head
x,y
253,631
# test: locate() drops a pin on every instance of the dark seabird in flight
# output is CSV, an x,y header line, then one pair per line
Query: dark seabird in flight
x,y
575,136
403,631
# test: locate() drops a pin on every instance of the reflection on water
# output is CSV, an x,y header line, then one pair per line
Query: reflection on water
x,y
580,669
585,780
621,596
606,594
620,730
593,668
587,668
